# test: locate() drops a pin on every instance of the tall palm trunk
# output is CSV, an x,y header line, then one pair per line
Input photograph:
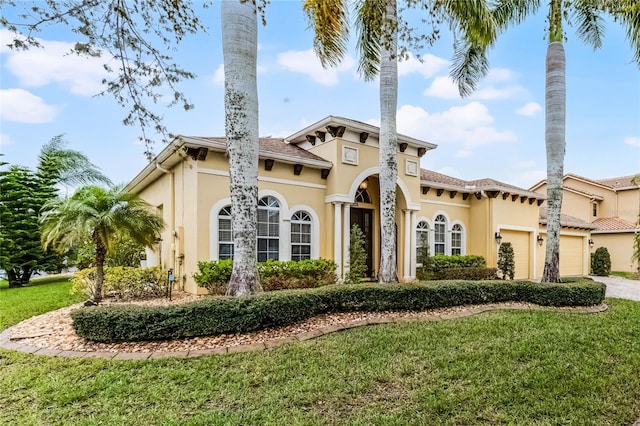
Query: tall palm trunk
x,y
388,147
240,51
101,255
555,118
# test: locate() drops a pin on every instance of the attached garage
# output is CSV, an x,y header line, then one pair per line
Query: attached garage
x,y
520,240
571,255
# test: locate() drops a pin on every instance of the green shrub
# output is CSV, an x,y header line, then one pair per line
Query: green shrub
x,y
357,257
123,282
218,315
214,275
506,262
470,274
442,261
601,262
274,274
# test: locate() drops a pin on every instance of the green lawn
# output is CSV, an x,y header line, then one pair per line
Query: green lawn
x,y
40,296
495,368
627,275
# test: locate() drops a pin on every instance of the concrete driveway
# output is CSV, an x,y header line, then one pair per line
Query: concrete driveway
x,y
621,288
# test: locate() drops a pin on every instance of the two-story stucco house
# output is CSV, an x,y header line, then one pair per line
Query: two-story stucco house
x,y
315,184
611,206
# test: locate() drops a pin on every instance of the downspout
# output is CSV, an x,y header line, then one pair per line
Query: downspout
x,y
172,222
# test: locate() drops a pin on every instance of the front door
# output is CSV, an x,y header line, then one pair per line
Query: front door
x,y
364,219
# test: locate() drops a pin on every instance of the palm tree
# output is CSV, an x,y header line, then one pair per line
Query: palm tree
x,y
378,30
588,18
240,51
100,215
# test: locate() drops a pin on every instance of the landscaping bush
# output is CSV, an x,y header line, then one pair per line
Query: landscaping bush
x,y
456,267
357,257
601,262
471,274
442,261
506,262
123,282
274,274
219,315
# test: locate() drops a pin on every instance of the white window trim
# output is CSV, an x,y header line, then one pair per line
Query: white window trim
x,y
463,237
315,229
447,232
214,253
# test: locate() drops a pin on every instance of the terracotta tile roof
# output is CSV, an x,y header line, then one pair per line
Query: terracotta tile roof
x,y
429,177
614,183
274,148
618,182
566,220
613,224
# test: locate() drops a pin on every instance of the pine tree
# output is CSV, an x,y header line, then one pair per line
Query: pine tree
x,y
506,262
20,250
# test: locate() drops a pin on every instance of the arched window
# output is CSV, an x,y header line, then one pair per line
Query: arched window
x,y
456,239
422,235
225,234
300,236
440,236
268,229
362,196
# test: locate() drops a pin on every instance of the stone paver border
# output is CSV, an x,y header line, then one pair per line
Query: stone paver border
x,y
7,343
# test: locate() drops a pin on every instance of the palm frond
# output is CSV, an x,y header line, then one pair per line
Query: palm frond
x,y
507,12
587,18
469,66
329,21
627,12
371,32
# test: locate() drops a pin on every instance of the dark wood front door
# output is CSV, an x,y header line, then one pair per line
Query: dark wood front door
x,y
364,219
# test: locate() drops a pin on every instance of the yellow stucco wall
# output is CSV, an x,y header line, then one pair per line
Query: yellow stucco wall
x,y
620,247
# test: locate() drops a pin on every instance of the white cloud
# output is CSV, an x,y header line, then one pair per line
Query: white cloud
x,y
306,62
529,109
428,66
445,88
218,76
499,74
528,178
52,63
632,140
5,139
25,107
469,125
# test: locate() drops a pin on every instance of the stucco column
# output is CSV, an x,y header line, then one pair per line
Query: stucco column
x,y
337,238
346,237
413,247
407,246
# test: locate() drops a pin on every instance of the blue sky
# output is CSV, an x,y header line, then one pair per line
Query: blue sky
x,y
498,132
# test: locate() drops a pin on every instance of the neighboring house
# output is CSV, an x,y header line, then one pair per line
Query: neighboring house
x,y
610,206
315,184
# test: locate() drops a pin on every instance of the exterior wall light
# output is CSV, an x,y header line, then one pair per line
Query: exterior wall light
x,y
590,243
498,238
364,184
540,240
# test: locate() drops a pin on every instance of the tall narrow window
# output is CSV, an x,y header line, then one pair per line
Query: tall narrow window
x,y
595,209
456,239
300,236
268,229
225,234
422,235
440,236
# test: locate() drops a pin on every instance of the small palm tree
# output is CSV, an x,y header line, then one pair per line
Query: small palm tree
x,y
101,215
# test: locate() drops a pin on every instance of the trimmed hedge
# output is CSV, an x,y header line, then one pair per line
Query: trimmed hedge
x,y
274,274
219,315
122,282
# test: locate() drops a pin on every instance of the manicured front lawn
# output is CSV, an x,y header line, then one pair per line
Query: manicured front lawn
x,y
495,368
40,296
627,275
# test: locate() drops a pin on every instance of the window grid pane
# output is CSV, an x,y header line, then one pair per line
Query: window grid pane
x,y
268,229
225,234
300,236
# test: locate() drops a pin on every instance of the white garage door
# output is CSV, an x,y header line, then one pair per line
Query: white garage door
x,y
521,251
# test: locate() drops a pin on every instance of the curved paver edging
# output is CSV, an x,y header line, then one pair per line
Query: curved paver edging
x,y
7,343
